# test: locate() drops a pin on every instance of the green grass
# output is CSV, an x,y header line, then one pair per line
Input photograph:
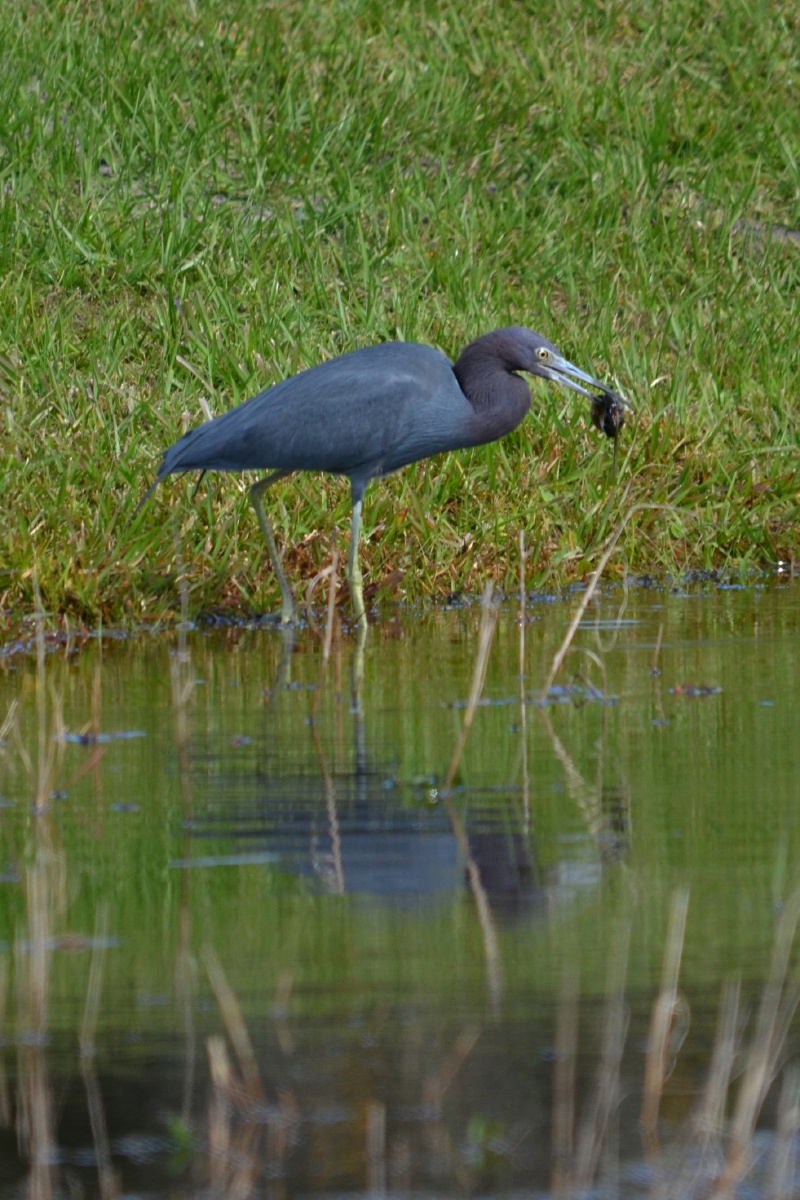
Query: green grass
x,y
199,199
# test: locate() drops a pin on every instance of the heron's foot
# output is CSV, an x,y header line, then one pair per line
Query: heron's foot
x,y
288,609
288,617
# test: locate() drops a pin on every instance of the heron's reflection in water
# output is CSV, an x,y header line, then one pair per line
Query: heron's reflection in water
x,y
322,803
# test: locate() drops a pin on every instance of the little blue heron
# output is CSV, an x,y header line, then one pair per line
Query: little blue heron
x,y
372,411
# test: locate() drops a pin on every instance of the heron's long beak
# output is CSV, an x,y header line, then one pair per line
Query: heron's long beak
x,y
560,370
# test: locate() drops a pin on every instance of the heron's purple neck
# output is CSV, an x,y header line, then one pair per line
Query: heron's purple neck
x,y
486,373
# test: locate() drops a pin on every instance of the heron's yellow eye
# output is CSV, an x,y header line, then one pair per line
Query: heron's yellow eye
x,y
543,354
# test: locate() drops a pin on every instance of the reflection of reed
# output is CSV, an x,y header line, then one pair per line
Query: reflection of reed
x,y
582,1141
591,587
438,1139
183,680
254,1118
233,1166
44,887
335,875
709,1151
183,686
107,1177
606,811
599,1119
523,706
35,1121
779,1000
331,573
669,1008
45,900
376,1148
491,946
566,1048
247,1137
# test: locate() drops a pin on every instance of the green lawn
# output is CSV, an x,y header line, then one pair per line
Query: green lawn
x,y
197,199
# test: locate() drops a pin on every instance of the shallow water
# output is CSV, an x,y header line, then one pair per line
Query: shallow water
x,y
297,966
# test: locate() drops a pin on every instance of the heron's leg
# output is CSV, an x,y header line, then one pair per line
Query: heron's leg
x,y
354,576
288,607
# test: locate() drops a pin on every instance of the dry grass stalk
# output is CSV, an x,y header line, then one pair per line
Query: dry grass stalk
x,y
42,789
8,724
437,1085
605,647
186,993
219,1112
783,1157
699,1153
587,797
779,1001
331,573
35,1116
181,668
183,684
107,1177
282,1133
593,1136
49,747
491,946
233,1167
709,1117
331,615
235,1025
236,1156
36,1123
661,1024
91,1008
485,635
280,1008
45,895
703,1148
563,1130
45,890
187,366
376,1148
594,580
523,707
5,1091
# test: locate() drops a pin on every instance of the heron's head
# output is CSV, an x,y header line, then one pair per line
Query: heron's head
x,y
525,350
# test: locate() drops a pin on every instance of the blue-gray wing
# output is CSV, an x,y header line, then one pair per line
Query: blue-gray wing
x,y
369,412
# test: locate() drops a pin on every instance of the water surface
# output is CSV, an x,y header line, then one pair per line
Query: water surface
x,y
295,965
